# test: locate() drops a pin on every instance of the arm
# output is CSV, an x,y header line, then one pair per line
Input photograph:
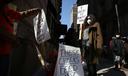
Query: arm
x,y
30,12
18,15
99,36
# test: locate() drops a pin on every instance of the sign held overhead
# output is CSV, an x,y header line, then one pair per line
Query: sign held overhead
x,y
81,13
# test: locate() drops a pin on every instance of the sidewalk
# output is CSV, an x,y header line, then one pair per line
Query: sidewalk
x,y
106,68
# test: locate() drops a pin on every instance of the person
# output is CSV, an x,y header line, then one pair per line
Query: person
x,y
7,37
126,53
91,43
117,46
71,37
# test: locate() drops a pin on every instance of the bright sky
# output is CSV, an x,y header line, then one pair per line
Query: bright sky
x,y
66,11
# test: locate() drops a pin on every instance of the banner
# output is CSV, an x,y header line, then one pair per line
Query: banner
x,y
68,62
81,13
41,28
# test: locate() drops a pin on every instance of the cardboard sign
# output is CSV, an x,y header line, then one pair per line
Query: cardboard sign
x,y
69,62
81,13
41,28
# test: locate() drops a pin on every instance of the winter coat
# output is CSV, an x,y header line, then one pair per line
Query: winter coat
x,y
99,37
95,43
117,46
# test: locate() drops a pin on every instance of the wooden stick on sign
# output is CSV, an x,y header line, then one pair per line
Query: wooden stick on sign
x,y
80,32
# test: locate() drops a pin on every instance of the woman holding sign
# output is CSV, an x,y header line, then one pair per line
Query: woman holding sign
x,y
91,43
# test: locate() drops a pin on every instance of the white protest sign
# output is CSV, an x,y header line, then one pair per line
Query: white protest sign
x,y
68,62
41,28
81,13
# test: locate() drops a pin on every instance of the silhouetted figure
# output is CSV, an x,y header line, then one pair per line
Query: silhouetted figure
x,y
91,43
126,53
71,37
118,50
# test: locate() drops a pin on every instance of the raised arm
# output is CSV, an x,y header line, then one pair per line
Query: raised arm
x,y
30,12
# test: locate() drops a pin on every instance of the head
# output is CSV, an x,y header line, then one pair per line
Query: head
x,y
4,3
90,19
118,35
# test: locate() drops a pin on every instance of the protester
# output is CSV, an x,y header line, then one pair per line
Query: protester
x,y
118,50
71,37
126,53
8,38
91,43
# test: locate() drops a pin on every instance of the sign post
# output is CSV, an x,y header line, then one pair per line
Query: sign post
x,y
80,32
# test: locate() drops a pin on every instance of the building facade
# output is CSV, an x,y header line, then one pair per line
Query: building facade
x,y
74,18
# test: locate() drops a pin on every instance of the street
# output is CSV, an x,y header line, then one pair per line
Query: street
x,y
106,68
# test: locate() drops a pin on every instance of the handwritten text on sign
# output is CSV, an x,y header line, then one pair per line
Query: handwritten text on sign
x,y
41,28
81,13
69,61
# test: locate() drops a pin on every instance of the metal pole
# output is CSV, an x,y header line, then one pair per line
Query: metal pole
x,y
118,21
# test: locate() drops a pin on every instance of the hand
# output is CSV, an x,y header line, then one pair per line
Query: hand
x,y
38,10
34,10
47,66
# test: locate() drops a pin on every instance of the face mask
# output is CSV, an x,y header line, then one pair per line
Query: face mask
x,y
117,36
89,21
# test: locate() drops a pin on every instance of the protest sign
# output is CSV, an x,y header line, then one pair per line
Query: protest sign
x,y
41,28
81,13
68,62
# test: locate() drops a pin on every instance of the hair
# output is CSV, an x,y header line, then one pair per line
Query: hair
x,y
4,2
7,1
